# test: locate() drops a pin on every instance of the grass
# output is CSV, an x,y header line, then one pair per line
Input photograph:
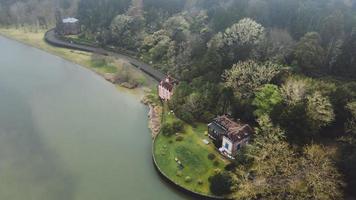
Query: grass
x,y
193,155
106,68
101,65
151,97
78,39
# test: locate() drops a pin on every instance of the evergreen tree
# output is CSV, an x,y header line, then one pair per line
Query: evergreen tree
x,y
266,100
309,54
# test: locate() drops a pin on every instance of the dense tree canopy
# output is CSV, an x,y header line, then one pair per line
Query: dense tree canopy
x,y
238,40
351,122
97,15
319,111
294,90
267,99
278,171
246,77
287,66
126,31
221,184
309,54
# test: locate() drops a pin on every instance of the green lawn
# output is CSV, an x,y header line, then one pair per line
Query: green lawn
x,y
80,40
193,155
103,67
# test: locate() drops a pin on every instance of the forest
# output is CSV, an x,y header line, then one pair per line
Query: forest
x,y
288,67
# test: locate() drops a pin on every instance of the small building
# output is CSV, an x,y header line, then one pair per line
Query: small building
x,y
230,134
67,26
166,87
71,26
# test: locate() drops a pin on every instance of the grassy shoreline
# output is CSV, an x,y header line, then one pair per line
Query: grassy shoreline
x,y
34,37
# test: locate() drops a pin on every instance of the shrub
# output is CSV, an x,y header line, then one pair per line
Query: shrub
x,y
188,179
179,138
187,117
217,171
124,74
207,116
216,163
243,157
173,127
179,173
230,166
211,156
220,184
217,143
167,129
200,182
170,141
141,80
98,60
177,125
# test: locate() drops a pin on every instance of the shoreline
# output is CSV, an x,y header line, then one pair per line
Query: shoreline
x,y
154,116
178,186
165,150
138,92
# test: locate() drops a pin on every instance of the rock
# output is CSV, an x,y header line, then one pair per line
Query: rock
x,y
155,119
110,77
128,85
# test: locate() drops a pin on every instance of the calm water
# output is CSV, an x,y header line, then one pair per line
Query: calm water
x,y
66,134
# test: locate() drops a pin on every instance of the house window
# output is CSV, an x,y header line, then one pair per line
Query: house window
x,y
238,146
226,145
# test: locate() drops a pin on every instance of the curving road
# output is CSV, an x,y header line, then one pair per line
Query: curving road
x,y
51,38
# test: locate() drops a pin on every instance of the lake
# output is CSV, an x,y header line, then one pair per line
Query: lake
x,y
67,134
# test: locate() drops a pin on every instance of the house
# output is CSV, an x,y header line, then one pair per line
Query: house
x,y
67,26
71,26
230,134
166,87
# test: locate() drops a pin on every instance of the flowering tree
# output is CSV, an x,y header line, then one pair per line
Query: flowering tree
x,y
245,77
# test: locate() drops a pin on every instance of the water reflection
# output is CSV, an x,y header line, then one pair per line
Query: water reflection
x,y
28,168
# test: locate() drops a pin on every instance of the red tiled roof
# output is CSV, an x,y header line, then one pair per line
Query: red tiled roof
x,y
168,83
235,130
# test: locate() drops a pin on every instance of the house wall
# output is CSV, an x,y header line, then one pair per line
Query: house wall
x,y
232,149
212,133
215,134
241,143
227,145
71,28
164,93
